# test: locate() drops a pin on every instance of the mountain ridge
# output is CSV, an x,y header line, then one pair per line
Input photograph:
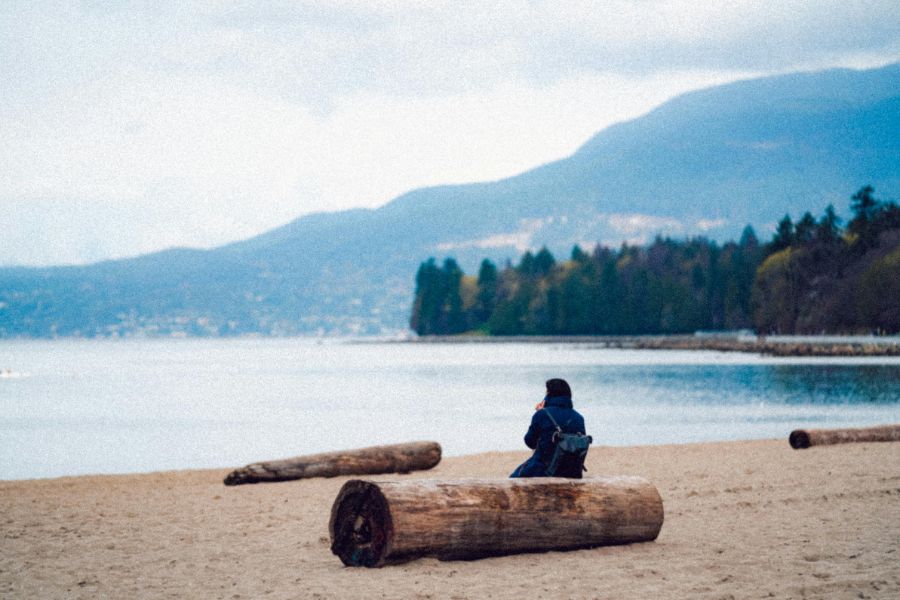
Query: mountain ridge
x,y
707,162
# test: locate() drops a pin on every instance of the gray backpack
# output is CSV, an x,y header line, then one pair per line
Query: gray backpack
x,y
569,452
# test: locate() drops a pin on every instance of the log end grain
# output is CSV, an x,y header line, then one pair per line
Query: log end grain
x,y
234,478
250,474
360,525
799,439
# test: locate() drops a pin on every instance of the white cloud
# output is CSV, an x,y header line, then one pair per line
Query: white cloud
x,y
193,161
710,224
639,226
124,130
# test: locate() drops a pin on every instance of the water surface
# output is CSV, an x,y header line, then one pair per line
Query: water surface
x,y
84,406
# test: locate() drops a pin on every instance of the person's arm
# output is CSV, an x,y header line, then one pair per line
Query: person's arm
x,y
534,430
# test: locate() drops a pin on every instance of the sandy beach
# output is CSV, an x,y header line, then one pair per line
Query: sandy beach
x,y
751,519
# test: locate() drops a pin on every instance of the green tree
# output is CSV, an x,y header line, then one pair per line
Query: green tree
x,y
805,230
543,262
607,310
748,240
784,235
526,264
486,298
878,297
865,211
811,277
828,229
426,306
575,299
776,293
452,318
737,270
438,306
512,304
579,255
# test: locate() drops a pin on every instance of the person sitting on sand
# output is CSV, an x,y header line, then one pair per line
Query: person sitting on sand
x,y
558,403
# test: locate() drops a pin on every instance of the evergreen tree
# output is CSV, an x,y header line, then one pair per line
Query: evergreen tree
x,y
810,278
737,269
579,255
452,319
526,265
607,317
426,306
805,229
749,241
828,230
865,211
784,235
575,299
863,204
486,298
438,307
543,262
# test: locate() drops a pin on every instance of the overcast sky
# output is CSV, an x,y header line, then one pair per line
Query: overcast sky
x,y
128,127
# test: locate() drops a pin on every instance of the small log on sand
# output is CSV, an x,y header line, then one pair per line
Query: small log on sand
x,y
804,438
378,523
394,458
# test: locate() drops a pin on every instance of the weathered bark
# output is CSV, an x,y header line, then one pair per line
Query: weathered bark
x,y
804,438
378,523
394,458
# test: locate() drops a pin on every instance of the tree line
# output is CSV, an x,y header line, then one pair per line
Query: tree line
x,y
813,276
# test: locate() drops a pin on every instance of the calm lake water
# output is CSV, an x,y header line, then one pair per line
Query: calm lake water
x,y
75,407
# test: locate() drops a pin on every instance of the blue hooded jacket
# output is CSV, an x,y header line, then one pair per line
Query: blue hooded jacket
x,y
540,435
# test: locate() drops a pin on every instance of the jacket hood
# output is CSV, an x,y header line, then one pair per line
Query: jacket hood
x,y
560,401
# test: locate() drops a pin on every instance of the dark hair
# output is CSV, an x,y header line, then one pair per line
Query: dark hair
x,y
558,387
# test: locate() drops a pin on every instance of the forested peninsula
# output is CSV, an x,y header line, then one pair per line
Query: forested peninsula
x,y
814,276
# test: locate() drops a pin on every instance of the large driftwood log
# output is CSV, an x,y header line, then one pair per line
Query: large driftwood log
x,y
378,523
394,458
804,438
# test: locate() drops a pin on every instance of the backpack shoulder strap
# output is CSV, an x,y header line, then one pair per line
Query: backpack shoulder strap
x,y
555,424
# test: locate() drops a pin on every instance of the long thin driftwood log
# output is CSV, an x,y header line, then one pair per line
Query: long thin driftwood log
x,y
804,438
393,458
378,523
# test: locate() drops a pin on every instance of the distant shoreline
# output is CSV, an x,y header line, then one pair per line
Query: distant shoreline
x,y
786,346
780,346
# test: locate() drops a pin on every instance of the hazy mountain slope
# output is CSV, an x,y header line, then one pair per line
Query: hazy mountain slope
x,y
707,162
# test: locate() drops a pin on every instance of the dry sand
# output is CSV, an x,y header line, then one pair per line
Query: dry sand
x,y
743,520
